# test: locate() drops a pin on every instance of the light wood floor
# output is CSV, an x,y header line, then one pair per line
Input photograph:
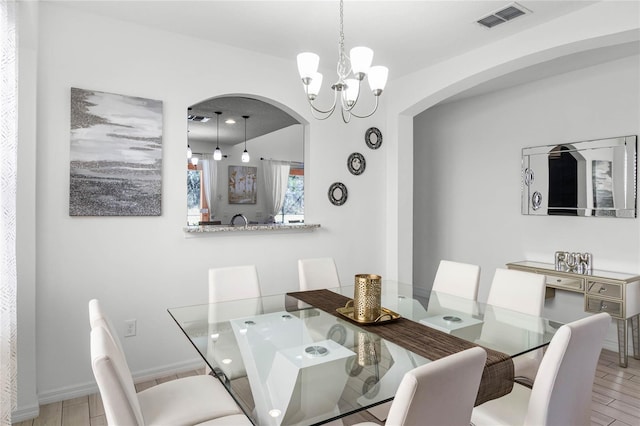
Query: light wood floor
x,y
616,400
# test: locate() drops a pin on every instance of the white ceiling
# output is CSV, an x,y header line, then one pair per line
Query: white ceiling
x,y
405,35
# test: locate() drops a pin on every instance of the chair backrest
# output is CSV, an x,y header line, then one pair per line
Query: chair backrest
x,y
518,290
233,283
318,273
561,393
114,380
458,279
442,392
97,318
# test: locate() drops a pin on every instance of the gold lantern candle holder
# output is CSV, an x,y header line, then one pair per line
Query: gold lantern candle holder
x,y
368,348
367,297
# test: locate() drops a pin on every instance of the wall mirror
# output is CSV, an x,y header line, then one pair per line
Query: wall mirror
x,y
225,190
588,178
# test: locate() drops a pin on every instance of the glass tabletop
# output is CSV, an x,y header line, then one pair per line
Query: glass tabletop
x,y
287,363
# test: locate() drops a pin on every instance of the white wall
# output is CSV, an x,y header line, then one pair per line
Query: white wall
x,y
467,175
599,25
139,266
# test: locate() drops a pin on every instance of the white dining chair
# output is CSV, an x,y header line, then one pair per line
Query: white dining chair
x,y
457,279
517,290
226,284
441,392
233,283
561,393
522,292
318,273
186,401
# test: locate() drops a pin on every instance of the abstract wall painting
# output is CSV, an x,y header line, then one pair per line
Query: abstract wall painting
x,y
242,185
116,155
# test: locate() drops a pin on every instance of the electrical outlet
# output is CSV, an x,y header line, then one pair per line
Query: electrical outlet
x,y
130,328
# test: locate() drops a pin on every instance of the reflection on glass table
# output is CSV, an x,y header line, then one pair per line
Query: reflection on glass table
x,y
287,363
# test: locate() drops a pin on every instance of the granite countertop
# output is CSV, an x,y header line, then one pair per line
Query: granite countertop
x,y
255,227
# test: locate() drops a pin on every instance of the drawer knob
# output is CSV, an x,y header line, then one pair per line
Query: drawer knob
x,y
603,306
602,290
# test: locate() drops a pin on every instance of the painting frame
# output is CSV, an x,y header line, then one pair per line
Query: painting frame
x,y
243,185
115,161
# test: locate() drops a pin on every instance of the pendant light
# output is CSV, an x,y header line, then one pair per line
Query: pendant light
x,y
245,154
189,152
217,154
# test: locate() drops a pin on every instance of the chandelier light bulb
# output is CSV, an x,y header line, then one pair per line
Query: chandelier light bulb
x,y
194,161
245,157
314,86
189,152
361,58
217,154
378,79
352,91
307,65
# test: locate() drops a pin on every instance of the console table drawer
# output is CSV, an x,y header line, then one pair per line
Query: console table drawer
x,y
605,289
572,284
596,305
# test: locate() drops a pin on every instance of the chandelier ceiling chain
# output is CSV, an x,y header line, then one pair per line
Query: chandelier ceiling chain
x,y
357,63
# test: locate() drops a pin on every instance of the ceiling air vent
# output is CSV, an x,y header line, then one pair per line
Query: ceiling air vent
x,y
199,118
507,13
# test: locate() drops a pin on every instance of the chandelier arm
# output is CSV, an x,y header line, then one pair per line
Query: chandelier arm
x,y
317,117
349,108
313,107
368,115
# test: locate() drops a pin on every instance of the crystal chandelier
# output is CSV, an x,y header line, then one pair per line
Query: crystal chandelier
x,y
351,71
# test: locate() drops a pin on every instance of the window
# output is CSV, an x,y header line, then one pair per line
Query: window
x,y
293,206
193,197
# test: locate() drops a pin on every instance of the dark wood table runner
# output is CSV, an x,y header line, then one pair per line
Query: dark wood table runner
x,y
498,375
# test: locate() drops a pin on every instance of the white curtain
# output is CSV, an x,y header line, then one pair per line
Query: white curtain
x,y
210,181
276,179
8,165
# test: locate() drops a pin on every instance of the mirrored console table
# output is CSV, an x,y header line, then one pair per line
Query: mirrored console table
x,y
197,229
604,291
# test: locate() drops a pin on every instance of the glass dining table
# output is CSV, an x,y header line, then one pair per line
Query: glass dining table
x,y
287,360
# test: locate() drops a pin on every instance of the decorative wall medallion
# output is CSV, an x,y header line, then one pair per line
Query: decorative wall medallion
x,y
528,176
337,193
536,200
356,163
373,138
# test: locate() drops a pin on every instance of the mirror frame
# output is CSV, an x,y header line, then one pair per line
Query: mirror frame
x,y
617,179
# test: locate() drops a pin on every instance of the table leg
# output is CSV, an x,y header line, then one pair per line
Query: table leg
x,y
635,335
622,342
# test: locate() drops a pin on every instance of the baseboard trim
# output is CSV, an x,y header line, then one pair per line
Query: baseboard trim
x,y
88,388
25,413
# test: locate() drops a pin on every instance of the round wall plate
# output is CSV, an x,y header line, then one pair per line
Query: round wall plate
x,y
337,193
356,163
373,138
